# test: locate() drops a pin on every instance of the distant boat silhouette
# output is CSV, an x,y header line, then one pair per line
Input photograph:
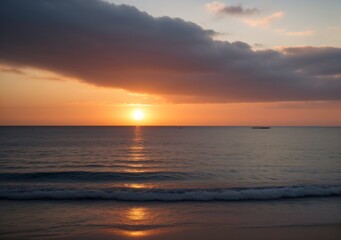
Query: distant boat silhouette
x,y
261,127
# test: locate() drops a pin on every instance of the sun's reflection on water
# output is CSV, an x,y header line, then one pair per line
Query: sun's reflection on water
x,y
137,214
138,185
137,217
137,221
139,234
136,151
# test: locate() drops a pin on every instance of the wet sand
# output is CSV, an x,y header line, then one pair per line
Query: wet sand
x,y
325,232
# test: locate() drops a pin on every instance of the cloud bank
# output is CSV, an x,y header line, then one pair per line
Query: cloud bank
x,y
121,47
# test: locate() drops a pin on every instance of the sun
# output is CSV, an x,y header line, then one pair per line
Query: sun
x,y
138,114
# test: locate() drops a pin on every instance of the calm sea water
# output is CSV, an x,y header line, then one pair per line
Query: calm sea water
x,y
55,181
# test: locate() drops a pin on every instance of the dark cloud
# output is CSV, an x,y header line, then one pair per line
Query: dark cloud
x,y
122,47
222,9
238,10
318,61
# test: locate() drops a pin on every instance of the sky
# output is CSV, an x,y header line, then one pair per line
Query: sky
x,y
225,63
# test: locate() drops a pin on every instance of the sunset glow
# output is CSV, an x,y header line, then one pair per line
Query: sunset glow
x,y
237,64
138,115
145,119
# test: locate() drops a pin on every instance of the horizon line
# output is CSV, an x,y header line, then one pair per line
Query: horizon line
x,y
170,125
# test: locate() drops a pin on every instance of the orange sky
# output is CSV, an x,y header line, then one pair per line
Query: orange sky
x,y
42,98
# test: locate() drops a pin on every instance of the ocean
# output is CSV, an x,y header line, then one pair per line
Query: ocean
x,y
152,182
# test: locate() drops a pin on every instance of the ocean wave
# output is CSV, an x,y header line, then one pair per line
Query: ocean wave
x,y
172,195
95,176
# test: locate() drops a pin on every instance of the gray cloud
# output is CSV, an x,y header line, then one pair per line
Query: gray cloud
x,y
318,61
121,47
223,9
238,10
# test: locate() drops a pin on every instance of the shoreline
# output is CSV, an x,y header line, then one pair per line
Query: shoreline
x,y
311,232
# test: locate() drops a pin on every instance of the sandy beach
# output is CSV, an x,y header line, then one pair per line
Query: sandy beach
x,y
325,232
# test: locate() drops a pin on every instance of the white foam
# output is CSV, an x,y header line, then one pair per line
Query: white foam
x,y
269,193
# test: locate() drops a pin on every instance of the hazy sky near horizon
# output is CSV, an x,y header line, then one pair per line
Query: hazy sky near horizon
x,y
90,62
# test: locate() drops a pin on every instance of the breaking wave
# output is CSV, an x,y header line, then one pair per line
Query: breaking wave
x,y
95,176
170,195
